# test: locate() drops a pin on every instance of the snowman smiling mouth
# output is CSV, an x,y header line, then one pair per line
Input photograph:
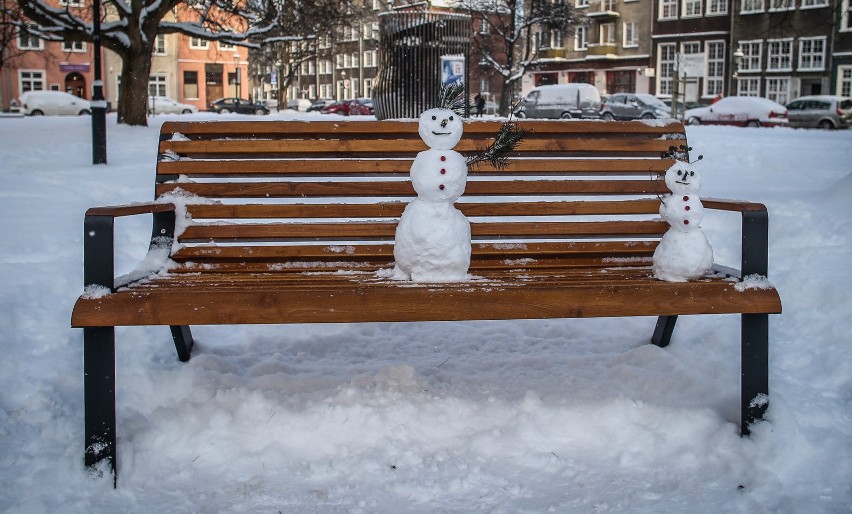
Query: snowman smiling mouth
x,y
441,133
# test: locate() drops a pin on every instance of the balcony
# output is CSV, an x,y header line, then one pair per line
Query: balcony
x,y
551,53
603,9
601,49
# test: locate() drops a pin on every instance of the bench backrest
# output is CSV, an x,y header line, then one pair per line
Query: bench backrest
x,y
329,193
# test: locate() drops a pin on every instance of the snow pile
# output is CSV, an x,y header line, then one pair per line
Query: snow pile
x,y
527,416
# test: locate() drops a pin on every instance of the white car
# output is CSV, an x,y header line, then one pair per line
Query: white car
x,y
40,103
744,111
165,105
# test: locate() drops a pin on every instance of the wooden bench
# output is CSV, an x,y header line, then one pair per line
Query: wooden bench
x,y
288,222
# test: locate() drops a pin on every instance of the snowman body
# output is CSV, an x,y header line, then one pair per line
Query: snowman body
x,y
684,252
432,242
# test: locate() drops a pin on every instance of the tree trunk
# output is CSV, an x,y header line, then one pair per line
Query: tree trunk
x,y
133,91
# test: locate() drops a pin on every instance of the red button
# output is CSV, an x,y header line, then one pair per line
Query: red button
x,y
441,187
443,171
443,157
686,222
685,198
686,208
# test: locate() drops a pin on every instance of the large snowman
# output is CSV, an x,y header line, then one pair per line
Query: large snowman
x,y
684,252
433,237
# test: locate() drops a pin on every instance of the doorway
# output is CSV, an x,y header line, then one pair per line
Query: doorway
x,y
75,84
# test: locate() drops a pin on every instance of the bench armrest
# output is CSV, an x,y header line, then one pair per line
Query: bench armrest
x,y
99,240
755,233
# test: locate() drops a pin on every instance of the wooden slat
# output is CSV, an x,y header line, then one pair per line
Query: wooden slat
x,y
394,209
394,302
297,167
614,249
285,128
385,230
404,188
390,147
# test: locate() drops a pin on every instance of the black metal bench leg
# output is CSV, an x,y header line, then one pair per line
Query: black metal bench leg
x,y
663,331
755,369
99,396
183,341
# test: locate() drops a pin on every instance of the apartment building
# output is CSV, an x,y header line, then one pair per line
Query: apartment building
x,y
611,51
35,64
841,52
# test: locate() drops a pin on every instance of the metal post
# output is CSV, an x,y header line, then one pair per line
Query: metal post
x,y
99,150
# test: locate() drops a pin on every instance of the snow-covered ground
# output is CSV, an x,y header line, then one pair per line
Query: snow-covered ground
x,y
532,416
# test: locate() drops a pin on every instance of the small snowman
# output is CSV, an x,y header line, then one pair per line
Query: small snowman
x,y
684,252
433,237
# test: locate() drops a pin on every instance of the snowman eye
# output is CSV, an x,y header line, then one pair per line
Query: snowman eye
x,y
679,173
434,118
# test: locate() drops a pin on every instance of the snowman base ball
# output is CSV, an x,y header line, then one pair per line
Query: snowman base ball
x,y
432,243
682,256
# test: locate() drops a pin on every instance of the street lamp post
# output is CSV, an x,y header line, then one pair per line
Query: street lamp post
x,y
237,73
738,61
99,152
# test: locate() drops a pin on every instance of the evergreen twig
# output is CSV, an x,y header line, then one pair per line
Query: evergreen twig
x,y
508,138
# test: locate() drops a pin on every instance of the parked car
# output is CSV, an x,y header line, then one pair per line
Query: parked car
x,y
299,104
319,103
823,111
237,105
338,107
39,103
165,105
744,111
561,101
361,106
633,106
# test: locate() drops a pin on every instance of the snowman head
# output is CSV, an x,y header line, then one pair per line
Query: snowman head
x,y
440,129
683,178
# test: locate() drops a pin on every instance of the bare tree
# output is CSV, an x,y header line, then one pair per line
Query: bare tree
x,y
508,47
130,29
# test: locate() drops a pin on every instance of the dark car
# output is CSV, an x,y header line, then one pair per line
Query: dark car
x,y
237,105
634,106
361,106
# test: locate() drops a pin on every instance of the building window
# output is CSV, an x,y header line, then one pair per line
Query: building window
x,y
30,80
160,45
779,54
666,53
778,89
691,47
813,4
370,59
748,86
631,34
368,87
190,84
196,43
582,3
846,16
484,85
484,28
28,41
782,5
668,9
751,55
691,8
225,46
844,80
812,54
717,7
157,85
580,42
74,46
607,33
714,80
751,6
